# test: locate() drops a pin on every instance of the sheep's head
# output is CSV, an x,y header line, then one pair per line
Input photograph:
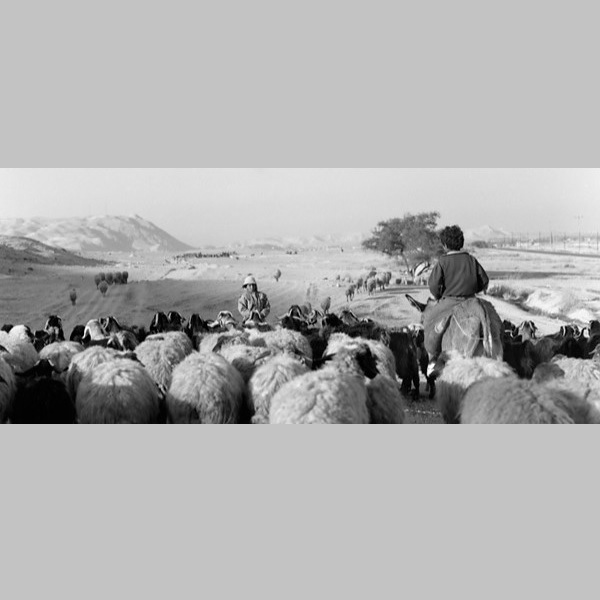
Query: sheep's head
x,y
357,359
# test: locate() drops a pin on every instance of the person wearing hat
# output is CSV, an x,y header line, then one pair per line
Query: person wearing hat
x,y
253,305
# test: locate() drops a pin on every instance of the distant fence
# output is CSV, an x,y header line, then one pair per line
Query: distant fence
x,y
584,243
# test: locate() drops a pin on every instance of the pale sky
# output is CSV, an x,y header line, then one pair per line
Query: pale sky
x,y
218,206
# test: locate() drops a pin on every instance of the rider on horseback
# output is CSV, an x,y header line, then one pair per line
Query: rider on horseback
x,y
456,276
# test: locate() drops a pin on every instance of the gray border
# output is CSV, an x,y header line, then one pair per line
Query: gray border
x,y
327,512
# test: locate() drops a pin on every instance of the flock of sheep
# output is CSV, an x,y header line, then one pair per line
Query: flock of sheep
x,y
307,370
369,283
234,376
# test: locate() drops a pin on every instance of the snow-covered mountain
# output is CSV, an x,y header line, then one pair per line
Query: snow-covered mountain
x,y
94,234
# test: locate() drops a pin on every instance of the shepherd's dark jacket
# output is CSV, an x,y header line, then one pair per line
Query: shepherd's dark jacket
x,y
457,274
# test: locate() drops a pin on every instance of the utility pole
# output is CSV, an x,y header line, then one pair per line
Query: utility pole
x,y
579,217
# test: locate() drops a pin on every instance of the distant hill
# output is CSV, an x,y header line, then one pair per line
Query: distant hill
x,y
16,251
485,233
351,240
95,234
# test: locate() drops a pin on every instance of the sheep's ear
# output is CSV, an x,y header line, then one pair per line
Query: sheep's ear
x,y
415,303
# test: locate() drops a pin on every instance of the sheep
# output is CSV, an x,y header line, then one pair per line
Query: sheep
x,y
214,342
245,358
123,340
267,379
42,400
417,332
545,372
579,375
161,353
77,333
404,349
384,401
85,362
207,389
320,397
60,354
176,321
511,400
119,391
335,394
53,328
94,332
527,330
195,329
384,356
21,353
350,291
284,341
521,356
371,286
579,369
326,305
458,374
348,317
159,323
178,339
8,388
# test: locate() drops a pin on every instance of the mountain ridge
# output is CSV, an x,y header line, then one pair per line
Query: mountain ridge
x,y
94,234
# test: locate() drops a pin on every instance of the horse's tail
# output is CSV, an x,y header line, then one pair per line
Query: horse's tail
x,y
491,329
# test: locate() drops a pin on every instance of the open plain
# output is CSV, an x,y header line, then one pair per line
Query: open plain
x,y
550,288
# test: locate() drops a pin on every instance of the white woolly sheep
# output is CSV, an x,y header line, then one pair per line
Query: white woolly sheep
x,y
161,353
267,379
384,401
60,354
386,363
458,374
119,391
580,375
22,354
85,362
177,339
579,369
511,400
335,394
8,388
214,342
284,341
321,397
245,358
205,388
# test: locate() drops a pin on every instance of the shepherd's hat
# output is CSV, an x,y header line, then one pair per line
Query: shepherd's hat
x,y
249,280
